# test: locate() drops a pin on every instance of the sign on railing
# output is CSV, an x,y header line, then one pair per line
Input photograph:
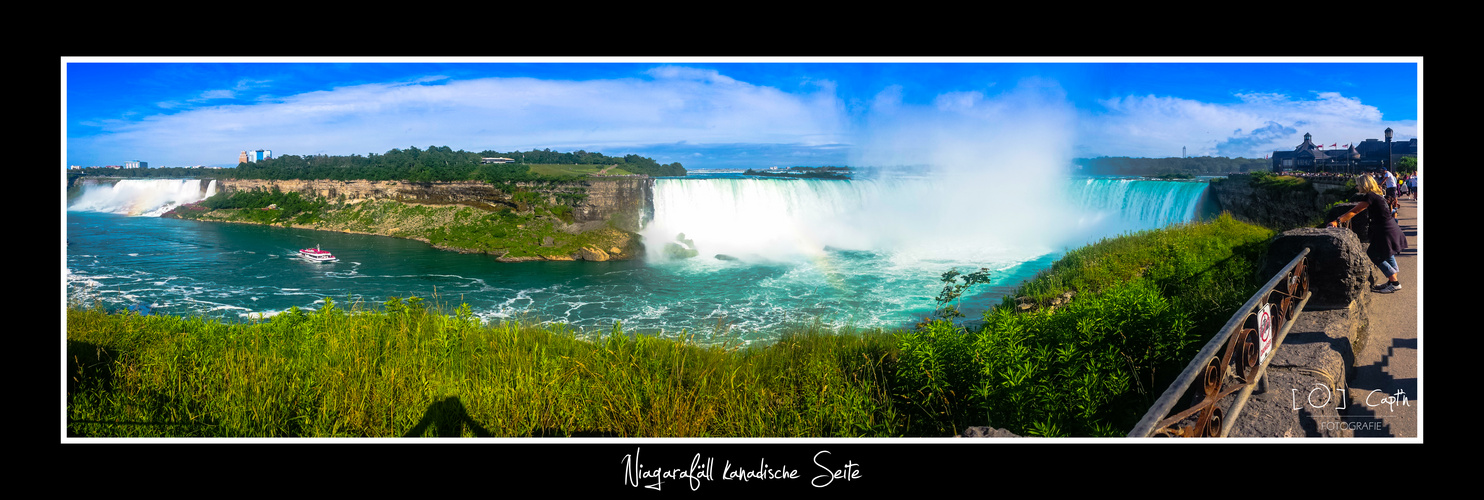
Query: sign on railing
x,y
1233,360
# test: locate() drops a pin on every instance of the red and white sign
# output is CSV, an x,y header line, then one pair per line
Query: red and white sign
x,y
1264,332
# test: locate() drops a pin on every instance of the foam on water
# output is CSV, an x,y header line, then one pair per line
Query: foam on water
x,y
142,197
865,253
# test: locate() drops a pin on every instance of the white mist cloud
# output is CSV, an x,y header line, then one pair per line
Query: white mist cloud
x,y
1260,123
1000,163
676,104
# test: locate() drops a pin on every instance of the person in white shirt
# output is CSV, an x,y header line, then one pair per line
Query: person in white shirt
x,y
1389,183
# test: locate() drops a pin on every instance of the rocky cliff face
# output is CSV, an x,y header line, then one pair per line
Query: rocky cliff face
x,y
626,201
1276,208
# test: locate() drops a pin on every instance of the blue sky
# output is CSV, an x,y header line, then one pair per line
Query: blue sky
x,y
713,113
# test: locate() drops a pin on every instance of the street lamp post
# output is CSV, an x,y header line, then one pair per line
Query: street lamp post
x,y
1388,149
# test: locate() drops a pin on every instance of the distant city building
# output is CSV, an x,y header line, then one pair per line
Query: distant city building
x,y
255,156
136,164
1367,155
496,160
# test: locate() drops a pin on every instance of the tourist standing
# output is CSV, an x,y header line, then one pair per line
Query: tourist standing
x,y
1388,182
1412,185
1387,239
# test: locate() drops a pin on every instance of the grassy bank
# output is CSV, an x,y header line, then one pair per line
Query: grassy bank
x,y
1087,368
406,370
1140,308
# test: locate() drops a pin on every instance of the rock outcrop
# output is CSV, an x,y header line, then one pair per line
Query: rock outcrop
x,y
1339,272
1277,208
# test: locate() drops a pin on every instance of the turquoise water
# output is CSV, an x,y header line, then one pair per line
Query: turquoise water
x,y
861,253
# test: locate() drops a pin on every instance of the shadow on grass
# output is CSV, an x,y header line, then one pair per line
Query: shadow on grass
x,y
89,367
447,418
90,383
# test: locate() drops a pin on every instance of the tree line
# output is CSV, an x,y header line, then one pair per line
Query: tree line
x,y
1196,165
436,163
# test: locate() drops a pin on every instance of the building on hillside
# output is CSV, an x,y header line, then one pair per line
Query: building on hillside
x,y
496,160
1374,151
1367,155
136,164
255,156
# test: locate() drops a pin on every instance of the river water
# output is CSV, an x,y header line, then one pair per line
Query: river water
x,y
859,253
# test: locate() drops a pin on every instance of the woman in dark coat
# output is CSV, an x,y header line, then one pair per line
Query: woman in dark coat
x,y
1387,239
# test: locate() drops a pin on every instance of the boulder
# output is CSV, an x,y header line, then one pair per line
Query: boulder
x,y
1339,272
1360,224
592,253
984,431
684,249
676,251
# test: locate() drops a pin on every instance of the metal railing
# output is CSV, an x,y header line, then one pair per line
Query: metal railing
x,y
1233,361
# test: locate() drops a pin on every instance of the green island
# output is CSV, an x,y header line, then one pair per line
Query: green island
x,y
1080,350
827,172
533,229
525,210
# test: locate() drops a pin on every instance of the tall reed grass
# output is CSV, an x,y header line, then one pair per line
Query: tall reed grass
x,y
407,369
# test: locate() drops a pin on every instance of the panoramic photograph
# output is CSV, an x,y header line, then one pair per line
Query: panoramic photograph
x,y
994,249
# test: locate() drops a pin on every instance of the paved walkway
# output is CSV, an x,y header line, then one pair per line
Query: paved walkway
x,y
1384,392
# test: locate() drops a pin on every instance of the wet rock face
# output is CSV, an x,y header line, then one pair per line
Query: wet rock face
x,y
628,202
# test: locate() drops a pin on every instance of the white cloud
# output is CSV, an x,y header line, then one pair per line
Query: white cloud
x,y
959,101
1256,125
218,94
678,104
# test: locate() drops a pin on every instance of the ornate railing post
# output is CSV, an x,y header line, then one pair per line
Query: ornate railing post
x,y
1233,361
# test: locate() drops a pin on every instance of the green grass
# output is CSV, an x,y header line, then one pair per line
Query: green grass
x,y
405,369
1279,183
1090,368
1143,304
557,170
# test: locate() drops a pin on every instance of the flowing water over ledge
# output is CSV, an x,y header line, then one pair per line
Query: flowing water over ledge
x,y
865,253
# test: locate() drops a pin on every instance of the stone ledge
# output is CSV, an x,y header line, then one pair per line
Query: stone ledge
x,y
1310,371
